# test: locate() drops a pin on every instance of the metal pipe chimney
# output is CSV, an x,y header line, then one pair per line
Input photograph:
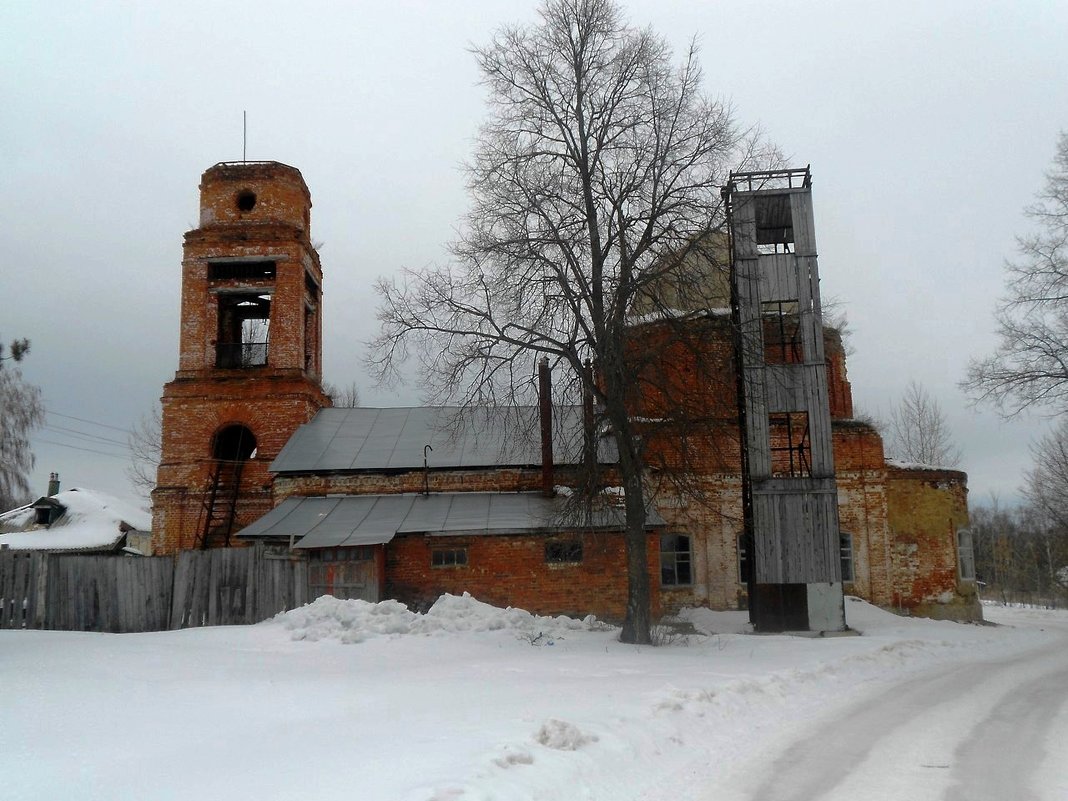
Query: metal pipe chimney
x,y
545,398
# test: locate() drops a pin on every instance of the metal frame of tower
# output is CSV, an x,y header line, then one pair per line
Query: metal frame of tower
x,y
790,497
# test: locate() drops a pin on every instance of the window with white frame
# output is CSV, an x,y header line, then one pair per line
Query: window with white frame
x,y
965,555
845,548
675,560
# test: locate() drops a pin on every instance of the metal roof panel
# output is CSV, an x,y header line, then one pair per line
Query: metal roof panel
x,y
394,438
323,522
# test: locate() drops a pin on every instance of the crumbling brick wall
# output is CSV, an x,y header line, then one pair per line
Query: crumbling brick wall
x,y
926,508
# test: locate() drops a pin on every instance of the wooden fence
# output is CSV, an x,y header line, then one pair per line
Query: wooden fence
x,y
223,586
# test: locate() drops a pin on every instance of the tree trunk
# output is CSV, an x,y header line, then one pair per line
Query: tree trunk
x,y
637,624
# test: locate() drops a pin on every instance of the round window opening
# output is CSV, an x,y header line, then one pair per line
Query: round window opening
x,y
246,200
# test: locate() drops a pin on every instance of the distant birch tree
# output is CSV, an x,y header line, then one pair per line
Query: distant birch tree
x,y
595,179
21,411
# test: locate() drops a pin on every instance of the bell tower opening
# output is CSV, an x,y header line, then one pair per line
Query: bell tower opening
x,y
244,328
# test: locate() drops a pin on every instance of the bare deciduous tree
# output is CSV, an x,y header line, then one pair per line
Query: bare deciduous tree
x,y
146,446
347,397
21,411
1030,366
919,432
1047,480
595,181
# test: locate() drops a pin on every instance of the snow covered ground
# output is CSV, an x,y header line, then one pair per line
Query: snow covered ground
x,y
472,703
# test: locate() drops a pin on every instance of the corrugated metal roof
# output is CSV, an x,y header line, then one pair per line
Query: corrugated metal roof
x,y
326,522
393,439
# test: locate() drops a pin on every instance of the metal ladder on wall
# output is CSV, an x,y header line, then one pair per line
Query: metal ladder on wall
x,y
220,503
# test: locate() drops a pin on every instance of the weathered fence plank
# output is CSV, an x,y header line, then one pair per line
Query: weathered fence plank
x,y
18,590
218,587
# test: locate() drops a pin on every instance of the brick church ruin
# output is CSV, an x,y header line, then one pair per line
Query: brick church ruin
x,y
408,503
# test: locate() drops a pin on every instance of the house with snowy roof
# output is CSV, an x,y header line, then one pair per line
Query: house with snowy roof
x,y
76,521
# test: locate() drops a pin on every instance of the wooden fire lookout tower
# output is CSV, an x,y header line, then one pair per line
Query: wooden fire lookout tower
x,y
789,490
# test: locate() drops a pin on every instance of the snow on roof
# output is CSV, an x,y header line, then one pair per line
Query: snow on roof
x,y
91,521
899,465
663,315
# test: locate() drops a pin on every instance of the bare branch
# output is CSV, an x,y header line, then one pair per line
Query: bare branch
x,y
919,432
146,447
1029,368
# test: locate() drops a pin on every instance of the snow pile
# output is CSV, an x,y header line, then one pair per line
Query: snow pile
x,y
91,520
710,621
353,621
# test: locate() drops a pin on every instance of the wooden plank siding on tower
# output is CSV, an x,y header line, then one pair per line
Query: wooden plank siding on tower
x,y
793,506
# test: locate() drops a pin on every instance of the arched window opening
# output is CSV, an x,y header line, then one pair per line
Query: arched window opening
x,y
965,555
235,443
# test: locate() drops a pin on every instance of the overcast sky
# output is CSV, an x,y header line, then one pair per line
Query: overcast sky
x,y
928,126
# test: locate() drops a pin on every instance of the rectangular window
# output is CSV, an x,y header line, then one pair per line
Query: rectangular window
x,y
782,332
845,545
563,551
448,557
675,560
744,565
966,555
774,222
241,271
354,553
791,450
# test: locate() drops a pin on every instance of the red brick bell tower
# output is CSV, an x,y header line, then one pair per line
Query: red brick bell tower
x,y
250,353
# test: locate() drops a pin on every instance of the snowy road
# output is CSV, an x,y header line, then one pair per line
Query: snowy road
x,y
966,733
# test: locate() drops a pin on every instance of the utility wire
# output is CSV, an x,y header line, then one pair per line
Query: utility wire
x,y
90,422
87,450
83,435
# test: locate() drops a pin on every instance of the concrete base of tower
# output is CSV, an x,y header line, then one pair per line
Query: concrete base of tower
x,y
815,607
